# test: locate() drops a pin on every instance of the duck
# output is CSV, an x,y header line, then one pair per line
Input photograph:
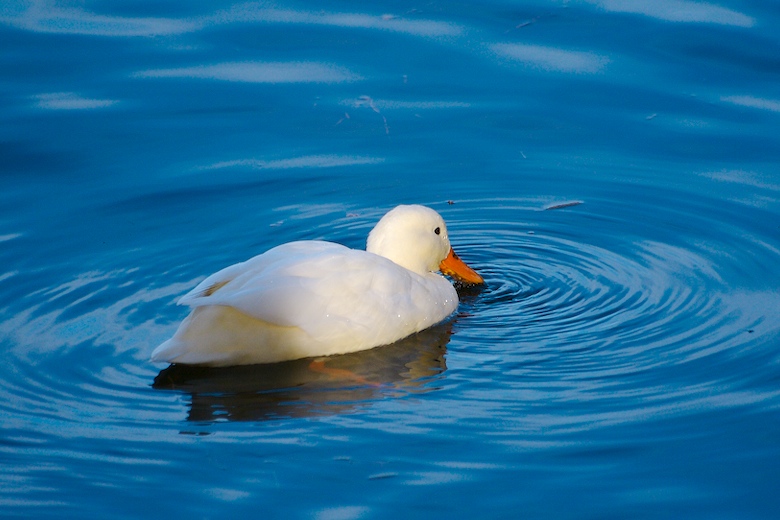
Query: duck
x,y
315,298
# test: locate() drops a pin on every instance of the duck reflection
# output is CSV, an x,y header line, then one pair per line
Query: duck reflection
x,y
310,387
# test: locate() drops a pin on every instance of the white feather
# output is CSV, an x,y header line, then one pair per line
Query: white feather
x,y
315,298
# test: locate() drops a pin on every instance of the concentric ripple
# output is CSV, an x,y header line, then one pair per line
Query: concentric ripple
x,y
583,299
578,299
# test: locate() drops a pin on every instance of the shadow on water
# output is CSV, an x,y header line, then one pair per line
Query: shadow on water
x,y
313,386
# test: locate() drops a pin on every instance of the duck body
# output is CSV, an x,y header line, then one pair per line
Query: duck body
x,y
315,298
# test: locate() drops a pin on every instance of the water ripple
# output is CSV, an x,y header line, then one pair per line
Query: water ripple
x,y
643,327
580,307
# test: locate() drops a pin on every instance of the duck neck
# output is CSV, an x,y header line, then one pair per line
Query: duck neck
x,y
397,253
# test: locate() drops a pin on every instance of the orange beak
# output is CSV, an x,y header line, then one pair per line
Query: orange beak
x,y
454,267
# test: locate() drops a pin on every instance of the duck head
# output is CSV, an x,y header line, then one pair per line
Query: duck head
x,y
415,237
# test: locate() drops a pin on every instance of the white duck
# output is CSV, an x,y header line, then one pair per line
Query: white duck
x,y
315,298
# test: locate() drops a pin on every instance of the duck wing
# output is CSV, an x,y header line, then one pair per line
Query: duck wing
x,y
320,287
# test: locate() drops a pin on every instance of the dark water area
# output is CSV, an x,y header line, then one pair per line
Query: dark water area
x,y
610,168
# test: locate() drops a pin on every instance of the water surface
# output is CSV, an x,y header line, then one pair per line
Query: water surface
x,y
609,167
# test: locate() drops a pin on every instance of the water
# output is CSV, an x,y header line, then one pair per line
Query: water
x,y
609,167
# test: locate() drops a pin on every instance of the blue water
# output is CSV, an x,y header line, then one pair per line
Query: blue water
x,y
610,167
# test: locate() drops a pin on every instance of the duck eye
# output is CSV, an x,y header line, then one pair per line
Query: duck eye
x,y
437,231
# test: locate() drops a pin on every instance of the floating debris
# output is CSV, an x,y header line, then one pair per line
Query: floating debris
x,y
381,476
367,101
564,205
